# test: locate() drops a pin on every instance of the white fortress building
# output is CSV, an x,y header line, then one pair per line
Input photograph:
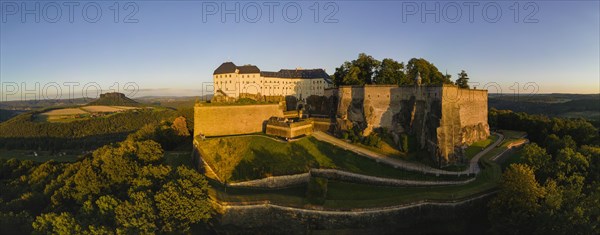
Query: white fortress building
x,y
231,80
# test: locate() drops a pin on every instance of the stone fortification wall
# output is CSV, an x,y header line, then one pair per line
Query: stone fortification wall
x,y
274,181
284,181
219,120
443,118
416,217
322,124
289,130
464,120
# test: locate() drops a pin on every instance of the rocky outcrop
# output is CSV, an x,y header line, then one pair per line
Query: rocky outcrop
x,y
114,98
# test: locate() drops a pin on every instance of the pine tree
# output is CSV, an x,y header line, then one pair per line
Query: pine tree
x,y
463,80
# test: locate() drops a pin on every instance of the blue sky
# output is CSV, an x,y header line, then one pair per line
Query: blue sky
x,y
172,51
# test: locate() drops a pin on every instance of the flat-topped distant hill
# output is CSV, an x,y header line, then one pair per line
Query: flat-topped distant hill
x,y
114,99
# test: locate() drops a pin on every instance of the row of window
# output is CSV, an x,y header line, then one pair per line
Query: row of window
x,y
271,82
254,75
296,88
229,75
388,96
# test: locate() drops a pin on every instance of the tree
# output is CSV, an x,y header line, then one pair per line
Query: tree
x,y
137,215
340,73
429,73
53,223
463,80
183,201
513,209
367,65
537,158
593,155
352,77
146,151
555,143
571,168
391,72
356,72
180,126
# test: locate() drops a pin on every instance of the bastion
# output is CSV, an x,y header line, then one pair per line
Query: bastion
x,y
444,118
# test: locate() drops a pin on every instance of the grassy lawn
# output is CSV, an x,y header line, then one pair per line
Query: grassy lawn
x,y
42,156
386,149
414,155
477,147
456,167
343,195
243,158
348,195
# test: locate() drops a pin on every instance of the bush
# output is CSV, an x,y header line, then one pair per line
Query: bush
x,y
316,191
345,135
372,140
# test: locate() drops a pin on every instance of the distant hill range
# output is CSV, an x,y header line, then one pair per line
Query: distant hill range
x,y
114,99
554,105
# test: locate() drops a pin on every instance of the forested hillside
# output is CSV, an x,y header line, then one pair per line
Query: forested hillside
x,y
130,187
23,132
553,105
554,187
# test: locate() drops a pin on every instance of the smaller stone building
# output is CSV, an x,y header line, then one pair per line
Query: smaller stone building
x,y
289,128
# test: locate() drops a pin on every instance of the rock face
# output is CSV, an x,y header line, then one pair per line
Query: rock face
x,y
443,118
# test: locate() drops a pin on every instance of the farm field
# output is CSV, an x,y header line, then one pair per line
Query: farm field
x,y
80,113
104,108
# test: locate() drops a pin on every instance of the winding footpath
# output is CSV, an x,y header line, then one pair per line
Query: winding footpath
x,y
397,163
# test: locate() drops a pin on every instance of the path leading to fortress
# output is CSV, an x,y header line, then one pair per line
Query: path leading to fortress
x,y
412,166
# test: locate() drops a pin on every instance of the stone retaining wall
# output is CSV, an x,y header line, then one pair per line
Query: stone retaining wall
x,y
274,181
333,174
373,180
268,218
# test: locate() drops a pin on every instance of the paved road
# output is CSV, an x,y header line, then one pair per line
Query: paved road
x,y
412,166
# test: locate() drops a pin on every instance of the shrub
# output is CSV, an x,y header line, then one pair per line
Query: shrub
x,y
345,135
372,140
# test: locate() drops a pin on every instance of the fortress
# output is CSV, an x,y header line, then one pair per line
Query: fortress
x,y
443,118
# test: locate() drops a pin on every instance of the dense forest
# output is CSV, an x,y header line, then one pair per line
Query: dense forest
x,y
554,188
541,127
125,188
